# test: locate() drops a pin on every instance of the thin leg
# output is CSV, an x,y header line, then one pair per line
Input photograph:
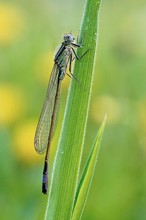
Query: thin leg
x,y
68,75
73,76
76,45
70,70
78,58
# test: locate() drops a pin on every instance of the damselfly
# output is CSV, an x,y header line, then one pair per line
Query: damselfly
x,y
45,127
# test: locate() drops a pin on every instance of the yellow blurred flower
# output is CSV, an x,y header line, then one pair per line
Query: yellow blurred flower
x,y
11,23
12,103
23,141
106,105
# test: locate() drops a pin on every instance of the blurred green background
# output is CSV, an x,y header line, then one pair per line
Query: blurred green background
x,y
29,34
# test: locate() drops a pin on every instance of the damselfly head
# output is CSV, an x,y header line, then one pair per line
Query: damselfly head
x,y
69,38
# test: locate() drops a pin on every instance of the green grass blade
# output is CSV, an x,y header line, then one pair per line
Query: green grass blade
x,y
87,175
69,152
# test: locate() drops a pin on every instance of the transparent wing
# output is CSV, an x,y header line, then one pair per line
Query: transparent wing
x,y
44,123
